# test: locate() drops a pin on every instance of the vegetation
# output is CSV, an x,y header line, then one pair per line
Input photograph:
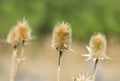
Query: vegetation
x,y
85,16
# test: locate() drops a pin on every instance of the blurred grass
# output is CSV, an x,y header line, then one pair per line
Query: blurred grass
x,y
85,16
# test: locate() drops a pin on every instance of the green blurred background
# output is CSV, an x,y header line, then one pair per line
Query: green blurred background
x,y
85,16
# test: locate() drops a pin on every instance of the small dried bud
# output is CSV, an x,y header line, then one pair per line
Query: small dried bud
x,y
61,39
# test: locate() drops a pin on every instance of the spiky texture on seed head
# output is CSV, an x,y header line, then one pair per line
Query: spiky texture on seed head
x,y
23,30
19,34
62,38
97,47
12,38
84,78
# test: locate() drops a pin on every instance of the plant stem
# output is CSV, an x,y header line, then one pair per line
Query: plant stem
x,y
95,65
59,58
13,65
20,59
95,69
59,65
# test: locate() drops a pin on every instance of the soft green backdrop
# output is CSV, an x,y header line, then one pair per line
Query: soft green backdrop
x,y
85,16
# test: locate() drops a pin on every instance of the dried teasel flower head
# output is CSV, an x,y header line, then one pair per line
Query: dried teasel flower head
x,y
23,30
97,47
12,38
62,36
84,78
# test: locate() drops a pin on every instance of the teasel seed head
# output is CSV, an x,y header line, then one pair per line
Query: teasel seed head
x,y
84,78
23,31
12,38
62,36
97,47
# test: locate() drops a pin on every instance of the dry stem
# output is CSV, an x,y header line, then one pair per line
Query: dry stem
x,y
13,65
95,69
59,65
20,59
16,62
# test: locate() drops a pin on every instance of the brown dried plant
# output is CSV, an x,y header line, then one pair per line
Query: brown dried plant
x,y
61,41
17,37
97,50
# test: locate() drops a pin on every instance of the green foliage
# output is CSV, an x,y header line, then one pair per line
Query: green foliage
x,y
85,16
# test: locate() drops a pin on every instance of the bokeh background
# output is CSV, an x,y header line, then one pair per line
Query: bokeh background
x,y
85,18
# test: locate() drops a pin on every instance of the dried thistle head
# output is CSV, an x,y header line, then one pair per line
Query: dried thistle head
x,y
83,78
12,38
97,47
98,43
23,30
61,39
